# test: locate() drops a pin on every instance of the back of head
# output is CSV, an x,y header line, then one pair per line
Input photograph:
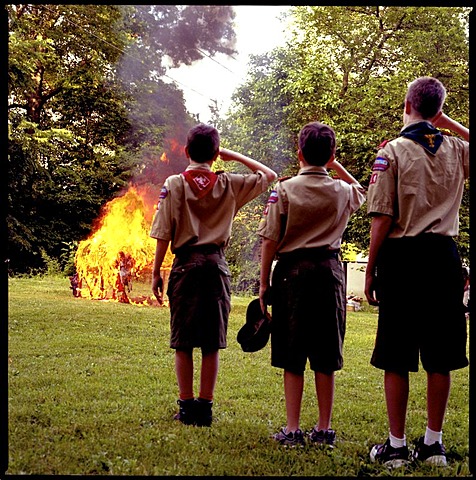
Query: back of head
x,y
317,142
426,95
203,143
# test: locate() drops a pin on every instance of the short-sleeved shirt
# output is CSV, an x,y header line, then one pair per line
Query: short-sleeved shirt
x,y
185,217
421,190
310,210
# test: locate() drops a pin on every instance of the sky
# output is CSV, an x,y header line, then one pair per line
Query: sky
x,y
258,30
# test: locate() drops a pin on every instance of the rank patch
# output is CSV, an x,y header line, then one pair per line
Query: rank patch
x,y
380,165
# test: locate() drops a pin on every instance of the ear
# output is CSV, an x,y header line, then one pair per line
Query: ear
x,y
300,155
408,107
185,149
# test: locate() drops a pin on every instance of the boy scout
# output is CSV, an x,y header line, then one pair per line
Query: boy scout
x,y
414,196
195,213
302,227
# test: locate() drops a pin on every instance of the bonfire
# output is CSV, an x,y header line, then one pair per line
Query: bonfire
x,y
119,253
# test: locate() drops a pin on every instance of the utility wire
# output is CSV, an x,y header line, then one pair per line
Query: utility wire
x,y
142,61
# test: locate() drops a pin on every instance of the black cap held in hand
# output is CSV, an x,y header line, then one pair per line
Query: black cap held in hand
x,y
254,334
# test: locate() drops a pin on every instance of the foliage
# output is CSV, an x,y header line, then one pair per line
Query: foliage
x,y
349,67
349,252
53,266
89,113
92,391
67,258
243,251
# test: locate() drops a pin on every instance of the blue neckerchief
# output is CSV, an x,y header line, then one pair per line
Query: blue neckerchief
x,y
425,134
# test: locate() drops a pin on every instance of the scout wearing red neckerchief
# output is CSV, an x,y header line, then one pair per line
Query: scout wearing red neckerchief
x,y
195,214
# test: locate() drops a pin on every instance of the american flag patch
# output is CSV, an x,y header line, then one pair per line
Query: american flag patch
x,y
273,197
163,193
381,164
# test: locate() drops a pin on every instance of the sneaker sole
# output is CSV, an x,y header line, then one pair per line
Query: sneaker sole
x,y
437,460
397,463
286,443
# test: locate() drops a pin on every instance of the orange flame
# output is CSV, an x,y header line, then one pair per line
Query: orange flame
x,y
119,252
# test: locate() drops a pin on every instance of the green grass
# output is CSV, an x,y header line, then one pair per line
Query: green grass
x,y
92,391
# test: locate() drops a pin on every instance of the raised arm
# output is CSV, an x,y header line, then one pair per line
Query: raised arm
x,y
342,172
230,155
443,121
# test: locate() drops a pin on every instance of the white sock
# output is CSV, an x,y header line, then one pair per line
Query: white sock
x,y
397,442
431,437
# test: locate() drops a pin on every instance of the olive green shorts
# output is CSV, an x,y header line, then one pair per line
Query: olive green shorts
x,y
308,312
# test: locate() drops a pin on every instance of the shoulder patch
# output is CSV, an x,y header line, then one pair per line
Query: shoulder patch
x,y
273,196
381,164
163,193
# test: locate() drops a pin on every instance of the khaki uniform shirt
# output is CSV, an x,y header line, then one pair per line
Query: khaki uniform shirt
x,y
421,191
310,210
185,219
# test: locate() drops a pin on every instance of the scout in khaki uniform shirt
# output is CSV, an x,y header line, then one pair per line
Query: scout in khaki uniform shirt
x,y
414,195
195,214
302,227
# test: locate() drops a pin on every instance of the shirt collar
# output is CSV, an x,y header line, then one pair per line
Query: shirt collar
x,y
198,166
414,123
312,168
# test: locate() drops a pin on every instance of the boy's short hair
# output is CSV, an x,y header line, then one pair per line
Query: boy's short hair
x,y
426,95
317,142
203,143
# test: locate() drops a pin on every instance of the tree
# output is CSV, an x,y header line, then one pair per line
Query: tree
x,y
349,67
78,132
370,65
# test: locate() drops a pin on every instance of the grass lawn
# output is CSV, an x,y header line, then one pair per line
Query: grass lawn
x,y
92,391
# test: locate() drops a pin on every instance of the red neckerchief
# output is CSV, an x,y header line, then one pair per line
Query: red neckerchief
x,y
201,181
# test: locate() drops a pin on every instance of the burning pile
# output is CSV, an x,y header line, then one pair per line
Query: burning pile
x,y
118,252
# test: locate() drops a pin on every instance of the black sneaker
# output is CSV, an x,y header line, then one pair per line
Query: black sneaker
x,y
390,456
291,439
203,412
433,454
186,413
323,437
